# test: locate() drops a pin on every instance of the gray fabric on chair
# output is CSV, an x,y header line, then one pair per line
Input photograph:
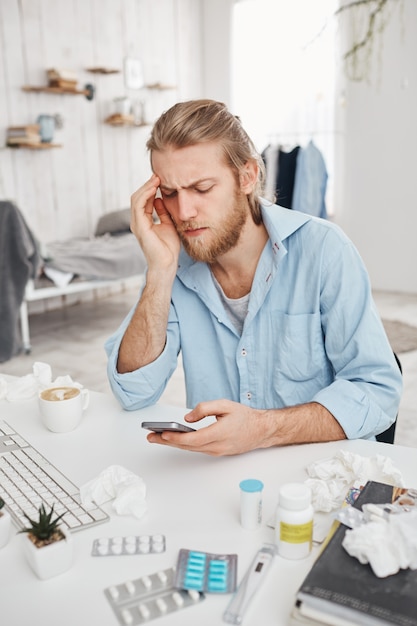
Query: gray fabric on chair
x,y
19,261
113,223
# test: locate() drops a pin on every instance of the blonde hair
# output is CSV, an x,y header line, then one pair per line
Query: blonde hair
x,y
199,121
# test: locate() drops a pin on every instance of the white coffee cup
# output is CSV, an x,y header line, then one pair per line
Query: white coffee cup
x,y
62,408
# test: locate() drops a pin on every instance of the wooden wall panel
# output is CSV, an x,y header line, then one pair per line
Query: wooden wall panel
x,y
63,191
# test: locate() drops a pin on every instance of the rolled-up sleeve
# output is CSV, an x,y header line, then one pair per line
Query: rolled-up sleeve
x,y
142,387
366,391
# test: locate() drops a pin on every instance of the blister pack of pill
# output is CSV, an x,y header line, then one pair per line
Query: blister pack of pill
x,y
350,517
117,546
143,599
207,572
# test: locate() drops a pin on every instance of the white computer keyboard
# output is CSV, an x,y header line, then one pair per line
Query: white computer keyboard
x,y
28,479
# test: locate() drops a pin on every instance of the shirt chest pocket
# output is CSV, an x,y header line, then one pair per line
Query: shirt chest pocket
x,y
298,347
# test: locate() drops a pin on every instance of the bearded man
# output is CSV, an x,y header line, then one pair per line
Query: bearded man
x,y
270,308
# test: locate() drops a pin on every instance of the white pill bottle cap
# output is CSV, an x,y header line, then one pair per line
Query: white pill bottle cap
x,y
294,496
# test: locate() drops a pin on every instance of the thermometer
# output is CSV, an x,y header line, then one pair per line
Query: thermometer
x,y
249,585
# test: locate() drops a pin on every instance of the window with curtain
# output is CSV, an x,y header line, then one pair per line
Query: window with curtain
x,y
283,74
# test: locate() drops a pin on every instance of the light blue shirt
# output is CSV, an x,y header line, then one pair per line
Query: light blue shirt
x,y
312,333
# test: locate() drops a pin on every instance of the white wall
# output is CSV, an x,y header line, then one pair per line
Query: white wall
x,y
374,169
63,191
377,166
217,26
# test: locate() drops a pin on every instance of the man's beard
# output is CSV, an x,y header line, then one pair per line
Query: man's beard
x,y
226,234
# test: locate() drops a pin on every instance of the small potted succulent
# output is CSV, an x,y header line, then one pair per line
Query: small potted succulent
x,y
48,547
5,524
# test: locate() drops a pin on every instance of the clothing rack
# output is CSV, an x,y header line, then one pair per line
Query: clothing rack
x,y
296,177
282,137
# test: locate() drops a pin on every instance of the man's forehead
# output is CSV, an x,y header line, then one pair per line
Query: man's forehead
x,y
200,152
205,180
190,166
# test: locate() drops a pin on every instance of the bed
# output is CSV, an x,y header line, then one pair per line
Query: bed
x,y
31,270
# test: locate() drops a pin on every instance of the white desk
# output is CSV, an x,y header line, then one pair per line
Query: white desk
x,y
192,499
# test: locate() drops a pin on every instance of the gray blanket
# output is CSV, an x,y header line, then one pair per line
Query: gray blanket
x,y
19,261
105,257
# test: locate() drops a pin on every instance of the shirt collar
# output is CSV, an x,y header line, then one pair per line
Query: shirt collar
x,y
279,222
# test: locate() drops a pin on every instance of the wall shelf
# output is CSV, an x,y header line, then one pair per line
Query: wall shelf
x,y
160,86
102,70
34,146
88,90
117,119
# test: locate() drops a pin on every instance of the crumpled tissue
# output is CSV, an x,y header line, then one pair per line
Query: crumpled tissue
x,y
30,385
387,545
331,478
116,482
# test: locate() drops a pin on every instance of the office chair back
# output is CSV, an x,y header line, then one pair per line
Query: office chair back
x,y
388,435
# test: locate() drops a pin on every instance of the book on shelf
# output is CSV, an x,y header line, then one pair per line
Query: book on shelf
x,y
61,74
62,79
341,591
119,119
18,131
16,135
15,141
68,85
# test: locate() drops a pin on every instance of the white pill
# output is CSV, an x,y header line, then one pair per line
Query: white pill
x,y
144,548
130,539
194,595
127,616
144,611
130,548
162,576
178,599
130,587
103,541
158,547
114,592
162,605
146,581
117,549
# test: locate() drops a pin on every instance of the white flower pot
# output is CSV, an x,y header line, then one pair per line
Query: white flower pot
x,y
5,526
51,560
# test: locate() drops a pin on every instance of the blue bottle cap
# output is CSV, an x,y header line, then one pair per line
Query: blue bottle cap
x,y
251,485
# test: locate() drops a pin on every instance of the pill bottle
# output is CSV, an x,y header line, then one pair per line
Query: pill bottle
x,y
294,521
251,503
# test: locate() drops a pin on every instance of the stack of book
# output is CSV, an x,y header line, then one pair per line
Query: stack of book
x,y
341,591
23,135
64,79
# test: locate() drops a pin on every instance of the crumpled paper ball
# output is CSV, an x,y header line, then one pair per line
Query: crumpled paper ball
x,y
28,386
388,545
331,478
119,484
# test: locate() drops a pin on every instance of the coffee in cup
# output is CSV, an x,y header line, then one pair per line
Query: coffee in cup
x,y
56,394
62,408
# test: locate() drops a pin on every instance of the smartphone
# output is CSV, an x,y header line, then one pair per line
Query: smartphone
x,y
159,427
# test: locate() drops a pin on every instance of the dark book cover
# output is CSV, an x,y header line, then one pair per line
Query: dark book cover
x,y
342,590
